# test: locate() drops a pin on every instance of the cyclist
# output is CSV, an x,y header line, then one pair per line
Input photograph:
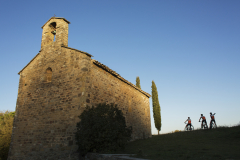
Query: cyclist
x,y
212,119
189,122
203,120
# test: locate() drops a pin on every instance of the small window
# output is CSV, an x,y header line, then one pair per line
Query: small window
x,y
49,75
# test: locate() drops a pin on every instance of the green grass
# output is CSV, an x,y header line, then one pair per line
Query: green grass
x,y
220,143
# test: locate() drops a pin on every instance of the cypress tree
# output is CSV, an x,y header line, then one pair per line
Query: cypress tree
x,y
156,108
138,82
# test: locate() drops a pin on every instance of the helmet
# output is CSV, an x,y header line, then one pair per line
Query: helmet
x,y
201,114
188,117
210,112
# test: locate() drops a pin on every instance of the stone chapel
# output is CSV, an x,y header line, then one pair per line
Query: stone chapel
x,y
54,89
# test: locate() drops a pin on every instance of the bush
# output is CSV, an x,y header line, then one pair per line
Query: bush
x,y
176,131
102,128
6,124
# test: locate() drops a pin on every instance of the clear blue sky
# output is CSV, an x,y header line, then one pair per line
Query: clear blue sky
x,y
191,49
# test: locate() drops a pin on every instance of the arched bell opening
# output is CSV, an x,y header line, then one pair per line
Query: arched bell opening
x,y
53,31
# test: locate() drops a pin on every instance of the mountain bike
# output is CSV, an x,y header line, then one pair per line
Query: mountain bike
x,y
188,128
204,125
213,124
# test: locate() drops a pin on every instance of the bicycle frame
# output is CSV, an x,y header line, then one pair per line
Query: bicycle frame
x,y
203,125
188,128
213,124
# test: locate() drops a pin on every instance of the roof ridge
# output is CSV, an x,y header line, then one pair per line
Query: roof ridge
x,y
29,62
56,18
77,50
114,73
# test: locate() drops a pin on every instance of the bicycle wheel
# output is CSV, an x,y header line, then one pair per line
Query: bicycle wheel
x,y
214,125
192,128
205,125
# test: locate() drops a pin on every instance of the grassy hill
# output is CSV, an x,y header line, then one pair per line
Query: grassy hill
x,y
220,143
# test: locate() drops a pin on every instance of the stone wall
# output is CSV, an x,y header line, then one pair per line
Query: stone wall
x,y
106,87
47,112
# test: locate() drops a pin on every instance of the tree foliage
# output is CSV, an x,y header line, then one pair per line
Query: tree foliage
x,y
156,107
138,82
102,128
6,124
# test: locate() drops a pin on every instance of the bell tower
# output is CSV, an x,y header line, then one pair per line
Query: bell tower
x,y
55,31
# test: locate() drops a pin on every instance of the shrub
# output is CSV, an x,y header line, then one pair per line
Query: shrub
x,y
6,124
176,131
102,128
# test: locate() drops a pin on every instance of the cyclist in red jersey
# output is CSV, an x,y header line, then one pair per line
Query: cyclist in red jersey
x,y
212,119
203,120
189,122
